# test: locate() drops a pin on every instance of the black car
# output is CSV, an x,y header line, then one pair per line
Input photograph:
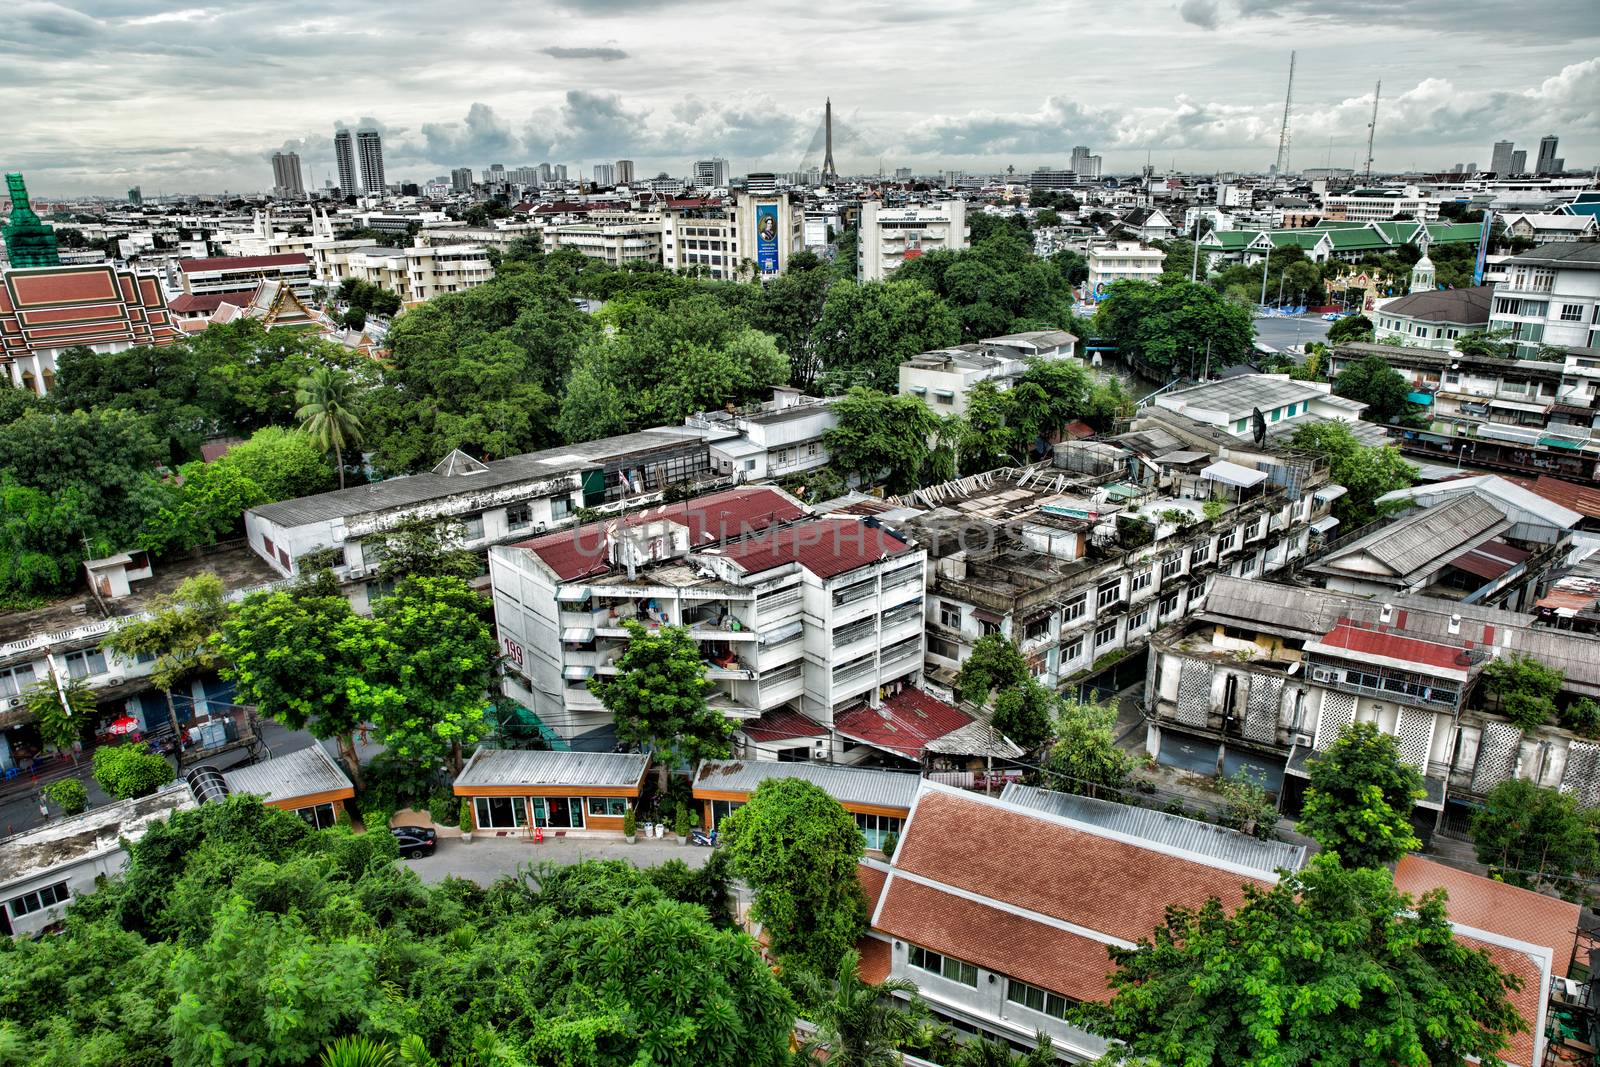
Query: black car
x,y
414,841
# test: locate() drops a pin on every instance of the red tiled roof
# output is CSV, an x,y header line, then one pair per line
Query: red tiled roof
x,y
1077,431
1362,641
581,552
871,879
1112,886
1495,907
826,547
286,259
876,959
205,303
904,723
1046,956
1519,1048
782,724
1490,560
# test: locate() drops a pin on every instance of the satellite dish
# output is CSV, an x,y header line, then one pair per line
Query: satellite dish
x,y
1258,426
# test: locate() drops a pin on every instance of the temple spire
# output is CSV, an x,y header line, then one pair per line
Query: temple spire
x,y
29,242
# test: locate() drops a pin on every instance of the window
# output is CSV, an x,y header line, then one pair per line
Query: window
x,y
15,680
876,827
1142,580
1571,312
942,647
749,464
1171,565
558,812
501,813
1139,620
474,528
1239,426
944,396
1037,999
560,508
611,807
519,516
1074,608
1036,628
1104,637
40,899
1072,650
320,816
721,809
1108,594
949,615
1167,606
953,969
87,663
987,628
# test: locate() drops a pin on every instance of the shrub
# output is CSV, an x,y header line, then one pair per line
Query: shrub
x,y
630,823
465,818
125,771
682,824
1582,717
376,817
891,841
69,795
442,808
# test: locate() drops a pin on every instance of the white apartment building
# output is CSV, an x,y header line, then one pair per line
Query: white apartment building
x,y
1230,404
1380,205
943,378
612,243
814,615
1550,296
420,272
1119,261
777,439
721,236
241,274
891,236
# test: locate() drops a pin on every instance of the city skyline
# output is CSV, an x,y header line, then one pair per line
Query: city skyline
x,y
1163,79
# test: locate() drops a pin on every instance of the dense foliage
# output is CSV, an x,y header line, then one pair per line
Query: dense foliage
x,y
1366,472
1175,329
1331,965
240,935
1358,803
658,696
1537,838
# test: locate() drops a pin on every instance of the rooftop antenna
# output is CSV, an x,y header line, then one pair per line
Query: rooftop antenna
x,y
1372,129
1283,134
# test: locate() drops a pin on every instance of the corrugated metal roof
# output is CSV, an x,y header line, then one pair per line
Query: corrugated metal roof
x,y
295,774
501,766
1160,828
847,785
1427,536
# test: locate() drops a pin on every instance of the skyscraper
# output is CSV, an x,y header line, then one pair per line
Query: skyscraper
x,y
711,173
1547,155
1519,162
624,174
605,174
828,173
559,172
369,146
344,154
1500,158
136,196
461,180
1085,165
286,181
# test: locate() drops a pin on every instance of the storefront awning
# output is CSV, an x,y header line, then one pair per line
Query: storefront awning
x,y
1560,442
1329,493
1517,405
1233,474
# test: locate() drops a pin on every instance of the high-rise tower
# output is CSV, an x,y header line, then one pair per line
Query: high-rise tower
x,y
344,153
828,171
369,147
1283,134
287,182
1547,155
29,242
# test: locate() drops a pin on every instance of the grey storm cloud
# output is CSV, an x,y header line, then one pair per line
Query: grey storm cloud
x,y
608,55
1202,13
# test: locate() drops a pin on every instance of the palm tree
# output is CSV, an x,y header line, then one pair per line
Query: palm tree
x,y
858,1023
357,1052
327,413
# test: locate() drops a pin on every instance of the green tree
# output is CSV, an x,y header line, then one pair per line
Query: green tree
x,y
1329,966
1366,473
878,436
180,632
305,659
285,464
1359,799
127,771
1379,386
1171,328
1524,689
328,413
867,330
425,548
437,651
789,307
205,503
69,795
1022,712
1248,808
61,709
1351,328
1083,755
858,1024
658,696
798,850
1536,837
995,663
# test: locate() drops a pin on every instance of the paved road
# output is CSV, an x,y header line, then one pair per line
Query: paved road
x,y
487,859
1284,333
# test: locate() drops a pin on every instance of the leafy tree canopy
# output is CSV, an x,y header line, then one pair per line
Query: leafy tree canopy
x,y
1367,473
1358,803
1537,838
658,696
1379,386
867,330
1083,756
880,436
1170,328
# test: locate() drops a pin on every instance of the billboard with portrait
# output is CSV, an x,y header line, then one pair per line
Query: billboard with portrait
x,y
767,238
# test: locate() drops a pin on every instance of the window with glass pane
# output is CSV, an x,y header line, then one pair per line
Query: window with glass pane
x,y
501,813
721,809
89,662
320,816
474,527
610,806
15,680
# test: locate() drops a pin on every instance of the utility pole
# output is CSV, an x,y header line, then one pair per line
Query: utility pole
x,y
1372,128
1283,133
1265,260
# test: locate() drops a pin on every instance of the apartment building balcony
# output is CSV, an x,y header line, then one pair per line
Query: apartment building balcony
x,y
1385,683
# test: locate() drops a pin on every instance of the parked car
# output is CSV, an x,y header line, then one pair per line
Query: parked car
x,y
414,841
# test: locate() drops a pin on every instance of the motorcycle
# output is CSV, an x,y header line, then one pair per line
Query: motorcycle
x,y
703,839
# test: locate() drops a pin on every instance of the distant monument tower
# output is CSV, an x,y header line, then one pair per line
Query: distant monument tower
x,y
29,242
1423,274
829,174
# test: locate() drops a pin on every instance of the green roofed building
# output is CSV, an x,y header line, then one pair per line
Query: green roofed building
x,y
29,242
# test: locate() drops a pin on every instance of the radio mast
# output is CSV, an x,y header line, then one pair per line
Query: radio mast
x,y
1283,135
1372,129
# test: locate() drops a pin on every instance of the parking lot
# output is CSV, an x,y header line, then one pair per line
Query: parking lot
x,y
486,859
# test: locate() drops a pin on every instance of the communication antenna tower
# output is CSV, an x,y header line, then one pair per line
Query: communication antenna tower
x,y
1372,129
1283,134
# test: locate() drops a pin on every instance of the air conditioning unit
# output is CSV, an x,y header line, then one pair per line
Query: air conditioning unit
x,y
1302,740
14,702
1321,674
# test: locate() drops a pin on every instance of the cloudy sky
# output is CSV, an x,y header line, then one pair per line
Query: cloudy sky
x,y
98,95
